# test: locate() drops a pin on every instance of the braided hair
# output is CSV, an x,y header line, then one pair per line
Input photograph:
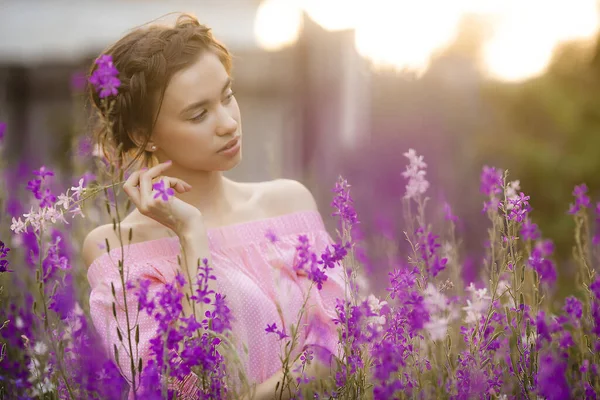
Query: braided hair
x,y
147,58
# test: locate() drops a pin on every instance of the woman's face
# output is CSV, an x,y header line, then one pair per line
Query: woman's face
x,y
198,117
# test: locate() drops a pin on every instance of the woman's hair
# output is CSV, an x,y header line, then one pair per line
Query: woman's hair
x,y
147,58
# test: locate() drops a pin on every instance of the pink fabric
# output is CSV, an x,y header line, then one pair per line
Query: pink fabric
x,y
252,272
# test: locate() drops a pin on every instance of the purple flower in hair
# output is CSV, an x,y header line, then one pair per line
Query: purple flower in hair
x,y
105,77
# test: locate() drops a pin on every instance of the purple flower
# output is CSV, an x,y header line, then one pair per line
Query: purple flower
x,y
491,181
541,264
105,77
161,190
581,199
596,239
219,320
427,246
520,208
529,230
448,213
343,203
552,382
43,172
2,130
204,275
573,307
542,329
595,287
273,329
566,340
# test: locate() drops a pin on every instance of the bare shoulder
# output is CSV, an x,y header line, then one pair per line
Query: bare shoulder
x,y
94,244
284,196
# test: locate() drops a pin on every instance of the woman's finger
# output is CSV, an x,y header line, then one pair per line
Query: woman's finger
x,y
131,189
147,177
178,184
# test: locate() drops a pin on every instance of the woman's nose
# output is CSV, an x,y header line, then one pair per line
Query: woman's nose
x,y
227,125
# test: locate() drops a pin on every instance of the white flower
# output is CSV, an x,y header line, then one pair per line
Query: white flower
x,y
375,304
77,211
415,160
434,301
35,219
415,173
35,375
502,287
17,226
63,200
78,190
437,327
478,304
40,348
511,192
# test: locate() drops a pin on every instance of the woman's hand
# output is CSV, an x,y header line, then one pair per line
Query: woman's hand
x,y
174,213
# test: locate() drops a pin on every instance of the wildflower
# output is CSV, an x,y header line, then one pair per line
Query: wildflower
x,y
519,207
596,239
491,181
43,172
511,192
3,254
573,307
478,304
78,190
551,380
427,246
581,199
529,230
415,173
448,213
542,329
162,191
273,329
343,203
105,77
541,264
595,287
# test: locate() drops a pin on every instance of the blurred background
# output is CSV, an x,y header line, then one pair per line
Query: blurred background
x,y
330,87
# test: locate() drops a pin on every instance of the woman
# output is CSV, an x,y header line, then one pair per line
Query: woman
x,y
176,109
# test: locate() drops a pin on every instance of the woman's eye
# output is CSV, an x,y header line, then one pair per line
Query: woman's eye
x,y
228,98
199,117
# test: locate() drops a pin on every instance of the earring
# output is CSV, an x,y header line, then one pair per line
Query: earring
x,y
153,148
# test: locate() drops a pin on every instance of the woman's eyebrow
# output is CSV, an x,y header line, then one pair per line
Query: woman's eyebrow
x,y
202,103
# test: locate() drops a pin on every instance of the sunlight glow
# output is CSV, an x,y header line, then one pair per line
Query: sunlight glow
x,y
277,24
406,34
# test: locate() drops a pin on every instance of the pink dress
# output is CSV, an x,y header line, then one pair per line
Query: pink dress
x,y
254,273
